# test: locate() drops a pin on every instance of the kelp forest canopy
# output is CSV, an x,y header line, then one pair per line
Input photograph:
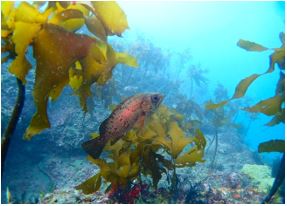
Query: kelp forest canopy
x,y
63,57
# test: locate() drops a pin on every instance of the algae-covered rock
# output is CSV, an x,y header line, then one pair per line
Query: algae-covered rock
x,y
260,175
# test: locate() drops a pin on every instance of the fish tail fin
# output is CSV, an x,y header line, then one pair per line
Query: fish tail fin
x,y
94,147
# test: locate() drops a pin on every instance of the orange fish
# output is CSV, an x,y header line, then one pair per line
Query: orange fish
x,y
131,113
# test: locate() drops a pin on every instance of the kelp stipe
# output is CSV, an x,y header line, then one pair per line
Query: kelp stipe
x,y
5,141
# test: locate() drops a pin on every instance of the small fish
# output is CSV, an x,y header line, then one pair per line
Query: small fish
x,y
131,113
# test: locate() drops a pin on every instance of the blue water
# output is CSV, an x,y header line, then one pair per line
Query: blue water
x,y
187,33
210,31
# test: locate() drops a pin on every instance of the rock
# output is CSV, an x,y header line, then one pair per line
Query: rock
x,y
72,196
260,176
234,180
68,172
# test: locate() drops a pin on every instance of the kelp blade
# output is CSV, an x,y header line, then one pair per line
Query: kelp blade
x,y
272,146
250,46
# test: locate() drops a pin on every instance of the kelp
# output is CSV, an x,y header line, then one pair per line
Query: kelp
x,y
196,77
6,138
243,85
91,184
273,106
63,57
210,105
269,107
112,17
69,19
154,164
250,46
195,154
220,117
277,118
96,27
54,55
144,151
279,179
272,146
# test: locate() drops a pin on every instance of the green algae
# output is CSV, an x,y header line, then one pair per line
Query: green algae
x,y
260,175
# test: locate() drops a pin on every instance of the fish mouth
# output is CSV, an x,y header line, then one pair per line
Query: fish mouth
x,y
160,99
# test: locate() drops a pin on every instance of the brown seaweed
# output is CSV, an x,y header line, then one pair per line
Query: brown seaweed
x,y
57,49
144,151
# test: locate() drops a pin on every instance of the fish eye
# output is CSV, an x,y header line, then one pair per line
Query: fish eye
x,y
155,98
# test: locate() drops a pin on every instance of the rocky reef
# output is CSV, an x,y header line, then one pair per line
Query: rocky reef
x,y
227,182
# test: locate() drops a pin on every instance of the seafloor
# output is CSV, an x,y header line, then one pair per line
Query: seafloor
x,y
61,172
224,183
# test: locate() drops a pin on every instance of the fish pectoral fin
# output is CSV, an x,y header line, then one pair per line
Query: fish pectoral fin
x,y
140,123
